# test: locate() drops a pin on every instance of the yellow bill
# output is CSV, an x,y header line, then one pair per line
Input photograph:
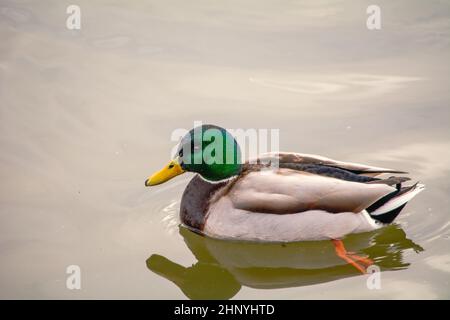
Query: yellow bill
x,y
173,169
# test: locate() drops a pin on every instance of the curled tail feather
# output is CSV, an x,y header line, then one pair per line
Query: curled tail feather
x,y
387,208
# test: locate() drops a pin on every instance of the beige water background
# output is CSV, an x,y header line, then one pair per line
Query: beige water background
x,y
86,116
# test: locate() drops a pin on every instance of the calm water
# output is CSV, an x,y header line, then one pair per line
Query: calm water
x,y
86,116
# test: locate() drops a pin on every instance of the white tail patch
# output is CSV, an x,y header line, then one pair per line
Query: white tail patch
x,y
398,201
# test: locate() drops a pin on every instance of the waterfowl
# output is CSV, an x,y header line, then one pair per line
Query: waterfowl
x,y
282,196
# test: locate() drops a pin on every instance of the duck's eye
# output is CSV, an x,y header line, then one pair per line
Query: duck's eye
x,y
180,153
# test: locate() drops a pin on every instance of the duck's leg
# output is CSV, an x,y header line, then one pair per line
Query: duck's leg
x,y
351,258
365,261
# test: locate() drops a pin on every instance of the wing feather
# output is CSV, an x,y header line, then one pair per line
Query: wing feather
x,y
303,158
285,191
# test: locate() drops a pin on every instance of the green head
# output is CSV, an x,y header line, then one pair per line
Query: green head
x,y
208,150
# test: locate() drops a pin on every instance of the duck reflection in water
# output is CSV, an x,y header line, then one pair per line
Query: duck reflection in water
x,y
224,266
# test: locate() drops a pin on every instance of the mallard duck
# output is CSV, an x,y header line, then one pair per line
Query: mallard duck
x,y
282,196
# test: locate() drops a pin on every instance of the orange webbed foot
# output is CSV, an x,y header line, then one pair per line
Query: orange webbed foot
x,y
358,262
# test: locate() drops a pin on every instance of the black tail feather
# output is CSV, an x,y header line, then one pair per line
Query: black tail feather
x,y
389,216
389,197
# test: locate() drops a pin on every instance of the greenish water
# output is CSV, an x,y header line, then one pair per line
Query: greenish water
x,y
86,116
224,267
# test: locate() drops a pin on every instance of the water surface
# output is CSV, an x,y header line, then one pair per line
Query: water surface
x,y
86,116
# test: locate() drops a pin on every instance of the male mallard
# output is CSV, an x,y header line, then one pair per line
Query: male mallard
x,y
304,197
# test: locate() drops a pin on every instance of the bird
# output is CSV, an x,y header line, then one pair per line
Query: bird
x,y
281,196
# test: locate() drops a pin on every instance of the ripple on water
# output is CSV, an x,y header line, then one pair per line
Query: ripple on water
x,y
170,218
15,15
441,262
111,42
337,85
166,209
